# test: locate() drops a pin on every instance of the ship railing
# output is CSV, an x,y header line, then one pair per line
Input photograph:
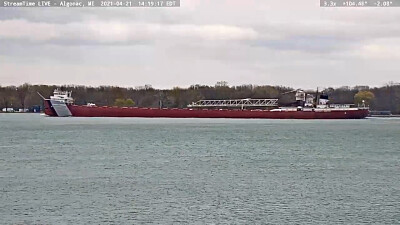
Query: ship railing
x,y
248,102
341,105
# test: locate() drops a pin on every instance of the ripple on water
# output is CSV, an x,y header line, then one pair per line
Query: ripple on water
x,y
198,171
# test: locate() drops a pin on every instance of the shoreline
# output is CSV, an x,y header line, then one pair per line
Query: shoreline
x,y
385,116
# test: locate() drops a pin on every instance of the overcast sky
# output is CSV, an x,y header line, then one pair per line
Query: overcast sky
x,y
279,42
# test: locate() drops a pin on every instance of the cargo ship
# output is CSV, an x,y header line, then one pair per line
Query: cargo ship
x,y
305,106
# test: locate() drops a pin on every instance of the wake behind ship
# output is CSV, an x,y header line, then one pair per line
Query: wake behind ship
x,y
61,104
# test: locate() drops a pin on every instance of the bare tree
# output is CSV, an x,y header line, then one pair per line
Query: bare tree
x,y
22,92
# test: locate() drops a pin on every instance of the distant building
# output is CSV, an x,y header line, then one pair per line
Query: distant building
x,y
8,110
380,113
35,109
361,88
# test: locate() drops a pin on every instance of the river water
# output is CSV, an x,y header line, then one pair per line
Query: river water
x,y
198,171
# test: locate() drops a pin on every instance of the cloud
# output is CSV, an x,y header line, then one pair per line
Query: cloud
x,y
289,42
119,32
380,49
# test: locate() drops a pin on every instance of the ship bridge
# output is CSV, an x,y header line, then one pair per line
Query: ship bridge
x,y
235,103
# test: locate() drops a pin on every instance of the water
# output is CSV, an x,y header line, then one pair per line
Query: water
x,y
198,171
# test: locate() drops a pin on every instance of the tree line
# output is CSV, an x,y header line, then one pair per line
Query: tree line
x,y
385,98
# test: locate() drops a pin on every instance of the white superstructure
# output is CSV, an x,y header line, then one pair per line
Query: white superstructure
x,y
62,96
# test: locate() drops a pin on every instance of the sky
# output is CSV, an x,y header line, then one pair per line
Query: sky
x,y
261,42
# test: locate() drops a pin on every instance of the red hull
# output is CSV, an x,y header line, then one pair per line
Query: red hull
x,y
85,111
